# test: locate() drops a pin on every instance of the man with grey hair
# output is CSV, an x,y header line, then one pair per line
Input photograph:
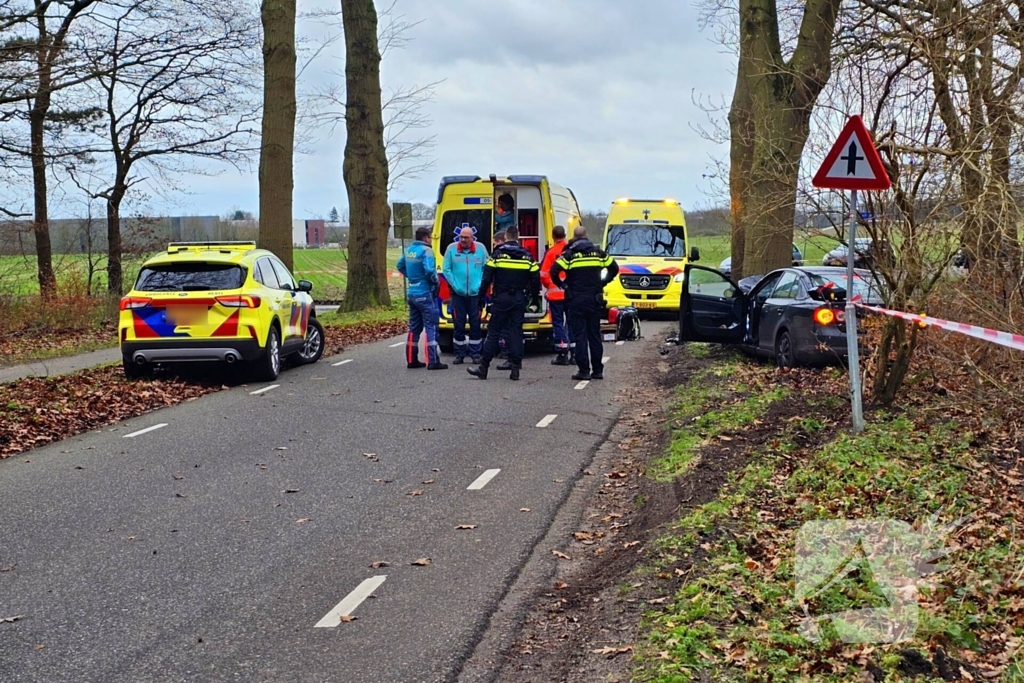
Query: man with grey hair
x,y
463,269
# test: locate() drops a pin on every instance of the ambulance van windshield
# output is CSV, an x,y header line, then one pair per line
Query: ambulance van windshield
x,y
646,240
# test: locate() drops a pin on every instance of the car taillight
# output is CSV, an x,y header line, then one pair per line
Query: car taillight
x,y
824,316
130,302
239,301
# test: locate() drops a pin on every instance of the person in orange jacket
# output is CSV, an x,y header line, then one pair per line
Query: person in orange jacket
x,y
556,301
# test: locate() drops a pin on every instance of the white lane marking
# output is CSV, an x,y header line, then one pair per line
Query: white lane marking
x,y
548,419
351,601
395,346
146,430
264,389
482,480
620,343
579,386
341,362
605,359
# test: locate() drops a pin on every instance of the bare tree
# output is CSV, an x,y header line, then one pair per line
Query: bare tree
x,y
769,123
366,165
278,141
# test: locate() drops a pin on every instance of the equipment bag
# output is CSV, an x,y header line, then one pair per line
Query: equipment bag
x,y
628,324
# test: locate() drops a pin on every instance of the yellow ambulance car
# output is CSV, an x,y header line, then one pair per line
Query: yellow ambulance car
x,y
647,238
469,201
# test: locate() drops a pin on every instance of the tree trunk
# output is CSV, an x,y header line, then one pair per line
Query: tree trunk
x,y
115,276
41,222
278,142
366,164
769,122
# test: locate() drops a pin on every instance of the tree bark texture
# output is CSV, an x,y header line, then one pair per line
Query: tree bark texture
x,y
366,164
278,129
769,124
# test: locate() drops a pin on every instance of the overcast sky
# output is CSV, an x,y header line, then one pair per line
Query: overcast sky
x,y
600,95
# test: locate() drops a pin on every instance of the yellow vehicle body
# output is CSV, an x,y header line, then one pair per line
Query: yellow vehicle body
x,y
212,302
648,239
469,201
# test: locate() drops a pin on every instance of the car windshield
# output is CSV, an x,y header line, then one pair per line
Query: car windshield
x,y
190,277
646,240
863,285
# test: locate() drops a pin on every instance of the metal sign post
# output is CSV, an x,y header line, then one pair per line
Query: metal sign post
x,y
401,213
843,170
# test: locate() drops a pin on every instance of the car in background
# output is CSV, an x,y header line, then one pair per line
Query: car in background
x,y
794,315
865,250
726,265
225,302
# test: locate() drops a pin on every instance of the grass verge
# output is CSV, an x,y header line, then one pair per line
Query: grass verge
x,y
734,614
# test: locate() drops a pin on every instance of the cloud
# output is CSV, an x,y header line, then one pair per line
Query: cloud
x,y
597,94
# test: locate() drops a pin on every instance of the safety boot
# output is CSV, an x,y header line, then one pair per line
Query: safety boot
x,y
514,375
477,371
561,359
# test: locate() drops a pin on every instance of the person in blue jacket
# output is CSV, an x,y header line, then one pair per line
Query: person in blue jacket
x,y
505,216
463,269
418,266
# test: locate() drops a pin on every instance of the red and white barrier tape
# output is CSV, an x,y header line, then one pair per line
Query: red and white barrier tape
x,y
1013,341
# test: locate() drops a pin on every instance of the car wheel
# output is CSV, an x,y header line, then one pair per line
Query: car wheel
x,y
313,346
446,341
785,354
268,365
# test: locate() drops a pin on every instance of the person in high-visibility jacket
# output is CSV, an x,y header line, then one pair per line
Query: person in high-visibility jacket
x,y
582,271
560,335
516,279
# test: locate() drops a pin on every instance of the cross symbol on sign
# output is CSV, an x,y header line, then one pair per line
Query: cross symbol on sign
x,y
851,158
647,213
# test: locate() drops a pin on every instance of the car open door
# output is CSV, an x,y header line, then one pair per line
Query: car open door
x,y
712,307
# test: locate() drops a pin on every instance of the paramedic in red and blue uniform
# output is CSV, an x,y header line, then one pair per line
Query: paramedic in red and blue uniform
x,y
418,267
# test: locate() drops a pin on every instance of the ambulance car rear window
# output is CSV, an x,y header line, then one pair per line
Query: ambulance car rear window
x,y
453,221
190,277
646,240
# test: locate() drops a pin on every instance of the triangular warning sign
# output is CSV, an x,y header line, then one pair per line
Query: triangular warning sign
x,y
853,162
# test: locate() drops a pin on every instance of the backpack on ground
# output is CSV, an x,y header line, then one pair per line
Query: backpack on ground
x,y
628,324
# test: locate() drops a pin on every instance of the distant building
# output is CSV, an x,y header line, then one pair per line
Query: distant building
x,y
298,233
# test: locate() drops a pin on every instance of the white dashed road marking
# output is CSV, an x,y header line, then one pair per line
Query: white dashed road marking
x,y
395,346
548,419
620,343
264,389
351,601
482,480
146,430
341,362
578,386
605,359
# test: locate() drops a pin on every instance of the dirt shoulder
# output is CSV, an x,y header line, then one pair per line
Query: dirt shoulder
x,y
682,564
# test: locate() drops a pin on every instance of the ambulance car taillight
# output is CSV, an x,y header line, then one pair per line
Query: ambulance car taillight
x,y
131,302
239,301
824,316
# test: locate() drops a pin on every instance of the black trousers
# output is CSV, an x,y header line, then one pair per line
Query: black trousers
x,y
506,323
585,323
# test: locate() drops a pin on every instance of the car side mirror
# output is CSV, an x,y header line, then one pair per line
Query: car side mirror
x,y
694,254
827,293
305,286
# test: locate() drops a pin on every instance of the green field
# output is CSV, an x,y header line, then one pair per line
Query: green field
x,y
325,268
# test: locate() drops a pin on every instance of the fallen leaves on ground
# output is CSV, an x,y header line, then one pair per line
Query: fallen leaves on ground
x,y
36,411
466,526
7,620
560,555
340,338
422,562
378,564
613,651
25,346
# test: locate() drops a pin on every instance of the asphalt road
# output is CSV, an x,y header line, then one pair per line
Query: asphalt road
x,y
210,548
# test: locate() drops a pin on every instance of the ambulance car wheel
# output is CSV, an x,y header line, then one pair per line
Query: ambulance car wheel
x,y
267,367
446,340
313,346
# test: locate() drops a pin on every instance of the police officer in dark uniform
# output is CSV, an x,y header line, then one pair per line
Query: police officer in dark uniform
x,y
516,279
579,272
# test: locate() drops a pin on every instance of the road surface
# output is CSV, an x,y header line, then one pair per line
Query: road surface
x,y
232,538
